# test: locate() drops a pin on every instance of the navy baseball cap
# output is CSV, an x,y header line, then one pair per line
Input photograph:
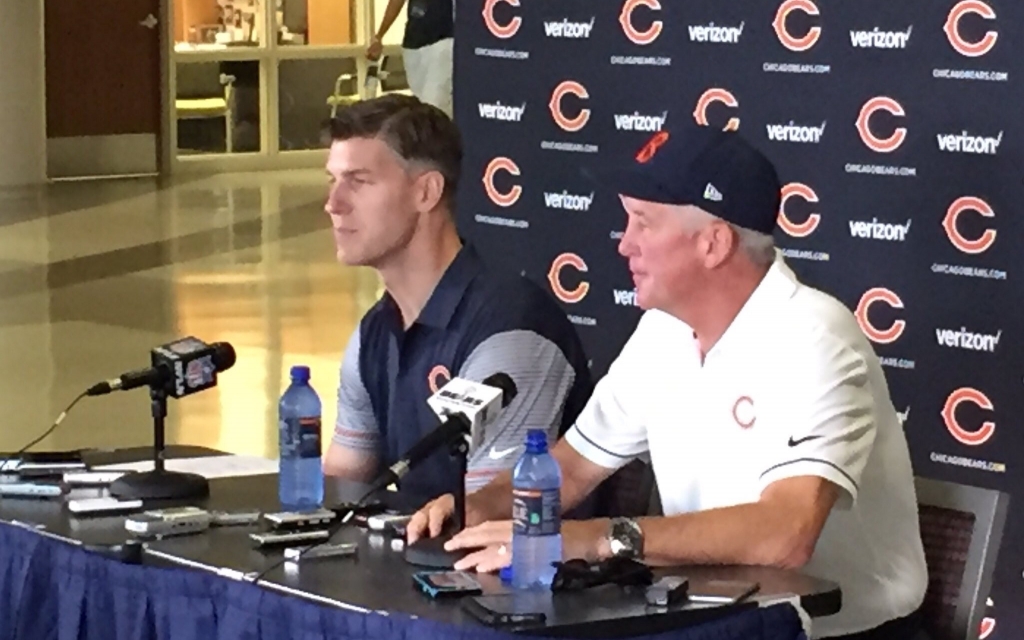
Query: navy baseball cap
x,y
715,170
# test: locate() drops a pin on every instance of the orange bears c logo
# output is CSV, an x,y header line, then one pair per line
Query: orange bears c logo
x,y
806,227
438,377
554,278
503,31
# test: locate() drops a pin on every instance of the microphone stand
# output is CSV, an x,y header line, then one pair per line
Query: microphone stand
x,y
159,484
430,552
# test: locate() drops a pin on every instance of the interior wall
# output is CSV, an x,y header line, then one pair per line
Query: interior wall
x,y
22,93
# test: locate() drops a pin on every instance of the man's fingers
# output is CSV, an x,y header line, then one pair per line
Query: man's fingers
x,y
486,560
437,517
494,562
430,519
485,535
470,561
416,526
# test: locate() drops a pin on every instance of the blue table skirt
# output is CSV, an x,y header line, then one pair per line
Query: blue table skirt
x,y
50,590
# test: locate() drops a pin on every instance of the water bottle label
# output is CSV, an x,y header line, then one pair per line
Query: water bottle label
x,y
300,438
536,512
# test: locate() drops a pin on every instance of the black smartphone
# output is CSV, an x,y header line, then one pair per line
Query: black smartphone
x,y
442,584
42,464
509,610
722,591
52,457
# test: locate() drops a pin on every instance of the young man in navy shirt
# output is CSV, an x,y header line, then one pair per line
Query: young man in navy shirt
x,y
394,169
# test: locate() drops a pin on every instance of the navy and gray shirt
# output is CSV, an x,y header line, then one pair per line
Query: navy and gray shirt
x,y
475,323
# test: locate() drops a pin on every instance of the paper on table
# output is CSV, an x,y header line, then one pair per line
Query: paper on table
x,y
208,467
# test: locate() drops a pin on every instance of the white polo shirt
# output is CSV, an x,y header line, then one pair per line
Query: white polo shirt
x,y
792,388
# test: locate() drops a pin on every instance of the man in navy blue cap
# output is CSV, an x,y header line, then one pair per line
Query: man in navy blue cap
x,y
762,406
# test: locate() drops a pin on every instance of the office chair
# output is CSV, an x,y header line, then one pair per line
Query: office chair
x,y
961,528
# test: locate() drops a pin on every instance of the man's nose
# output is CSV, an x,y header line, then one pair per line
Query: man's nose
x,y
335,204
627,247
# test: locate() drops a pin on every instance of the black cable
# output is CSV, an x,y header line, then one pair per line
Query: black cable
x,y
56,423
331,532
348,515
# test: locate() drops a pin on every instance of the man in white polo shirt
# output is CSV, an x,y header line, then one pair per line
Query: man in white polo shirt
x,y
762,406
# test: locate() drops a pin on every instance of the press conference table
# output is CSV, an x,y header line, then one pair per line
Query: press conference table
x,y
378,579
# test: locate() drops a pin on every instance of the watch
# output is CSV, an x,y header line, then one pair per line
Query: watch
x,y
626,538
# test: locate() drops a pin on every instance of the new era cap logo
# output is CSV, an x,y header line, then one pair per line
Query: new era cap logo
x,y
711,193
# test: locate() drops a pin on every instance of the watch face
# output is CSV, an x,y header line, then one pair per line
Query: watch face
x,y
625,539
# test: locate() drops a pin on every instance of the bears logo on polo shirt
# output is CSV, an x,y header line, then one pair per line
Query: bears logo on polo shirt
x,y
438,377
743,412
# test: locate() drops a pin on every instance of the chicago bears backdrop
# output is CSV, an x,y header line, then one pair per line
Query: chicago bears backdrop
x,y
896,128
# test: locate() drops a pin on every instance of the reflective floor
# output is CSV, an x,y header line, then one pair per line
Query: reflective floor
x,y
95,274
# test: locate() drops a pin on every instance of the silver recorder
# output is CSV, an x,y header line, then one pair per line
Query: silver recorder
x,y
162,523
293,520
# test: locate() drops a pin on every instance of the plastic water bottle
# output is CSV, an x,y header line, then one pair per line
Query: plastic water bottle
x,y
301,475
536,515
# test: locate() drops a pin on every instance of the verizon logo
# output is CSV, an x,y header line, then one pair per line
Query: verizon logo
x,y
625,297
877,39
566,29
964,339
498,111
963,142
637,122
795,133
876,230
714,33
568,201
903,415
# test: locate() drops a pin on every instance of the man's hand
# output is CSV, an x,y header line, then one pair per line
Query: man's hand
x,y
493,540
374,50
430,519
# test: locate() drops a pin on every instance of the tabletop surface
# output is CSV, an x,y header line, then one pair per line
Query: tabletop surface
x,y
378,578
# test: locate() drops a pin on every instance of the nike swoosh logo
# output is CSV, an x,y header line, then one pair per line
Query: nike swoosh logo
x,y
494,454
794,443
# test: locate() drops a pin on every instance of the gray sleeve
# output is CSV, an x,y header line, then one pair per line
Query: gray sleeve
x,y
543,378
356,427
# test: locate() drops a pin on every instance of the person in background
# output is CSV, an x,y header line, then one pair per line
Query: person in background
x,y
427,48
765,411
394,169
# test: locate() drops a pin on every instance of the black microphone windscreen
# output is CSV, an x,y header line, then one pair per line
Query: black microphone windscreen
x,y
504,382
223,355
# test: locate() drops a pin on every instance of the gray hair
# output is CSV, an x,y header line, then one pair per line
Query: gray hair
x,y
758,247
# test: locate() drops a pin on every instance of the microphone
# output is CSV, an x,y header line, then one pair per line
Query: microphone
x,y
464,407
479,402
179,368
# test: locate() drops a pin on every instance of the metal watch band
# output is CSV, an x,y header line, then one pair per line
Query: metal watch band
x,y
626,538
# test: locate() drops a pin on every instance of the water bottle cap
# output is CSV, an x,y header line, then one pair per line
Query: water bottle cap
x,y
505,575
300,373
536,441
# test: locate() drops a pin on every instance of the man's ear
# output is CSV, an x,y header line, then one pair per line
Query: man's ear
x,y
430,190
723,241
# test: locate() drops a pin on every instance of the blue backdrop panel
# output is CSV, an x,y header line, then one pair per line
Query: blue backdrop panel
x,y
895,127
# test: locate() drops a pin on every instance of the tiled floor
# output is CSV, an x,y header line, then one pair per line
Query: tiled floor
x,y
95,274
